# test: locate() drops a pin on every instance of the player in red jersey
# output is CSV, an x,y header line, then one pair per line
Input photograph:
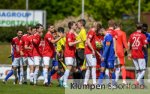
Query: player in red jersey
x,y
37,55
29,48
15,46
90,53
99,42
137,41
69,52
24,54
48,52
121,47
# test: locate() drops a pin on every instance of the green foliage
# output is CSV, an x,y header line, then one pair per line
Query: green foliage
x,y
100,10
6,34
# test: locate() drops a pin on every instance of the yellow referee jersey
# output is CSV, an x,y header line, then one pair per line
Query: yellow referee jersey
x,y
61,43
81,36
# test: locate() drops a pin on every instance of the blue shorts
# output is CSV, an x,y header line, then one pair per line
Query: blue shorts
x,y
54,63
108,64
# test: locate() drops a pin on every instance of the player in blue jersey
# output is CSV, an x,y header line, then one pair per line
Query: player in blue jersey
x,y
107,58
145,31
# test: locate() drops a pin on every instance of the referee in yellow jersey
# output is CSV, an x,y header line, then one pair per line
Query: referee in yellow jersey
x,y
80,47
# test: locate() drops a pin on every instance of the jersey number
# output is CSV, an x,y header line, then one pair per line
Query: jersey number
x,y
136,42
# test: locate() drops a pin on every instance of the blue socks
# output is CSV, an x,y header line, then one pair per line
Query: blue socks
x,y
50,74
101,77
11,72
113,75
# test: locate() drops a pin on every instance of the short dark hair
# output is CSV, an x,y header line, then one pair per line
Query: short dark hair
x,y
138,26
118,23
98,27
111,23
144,27
82,21
61,29
28,28
33,27
19,30
38,25
49,25
70,24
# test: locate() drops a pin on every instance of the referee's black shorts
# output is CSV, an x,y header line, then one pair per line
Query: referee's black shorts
x,y
79,57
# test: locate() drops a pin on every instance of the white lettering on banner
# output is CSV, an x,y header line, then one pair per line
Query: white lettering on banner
x,y
17,22
14,14
10,18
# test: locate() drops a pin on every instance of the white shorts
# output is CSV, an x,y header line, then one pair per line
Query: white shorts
x,y
47,61
16,62
41,63
37,60
70,61
24,61
139,64
30,61
90,60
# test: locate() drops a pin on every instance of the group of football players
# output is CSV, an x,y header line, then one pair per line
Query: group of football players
x,y
78,52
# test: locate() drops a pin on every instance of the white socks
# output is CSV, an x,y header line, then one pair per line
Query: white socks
x,y
35,75
94,75
141,75
87,75
45,73
21,74
66,74
107,76
117,72
31,77
62,77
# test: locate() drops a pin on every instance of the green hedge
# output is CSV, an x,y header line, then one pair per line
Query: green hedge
x,y
7,33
